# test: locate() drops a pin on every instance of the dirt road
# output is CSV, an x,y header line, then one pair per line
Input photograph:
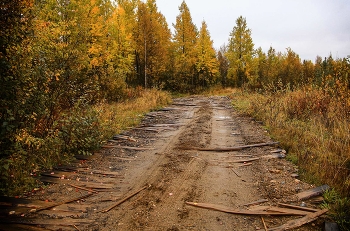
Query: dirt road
x,y
160,163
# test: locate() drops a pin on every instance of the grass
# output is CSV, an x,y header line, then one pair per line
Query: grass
x,y
314,127
117,117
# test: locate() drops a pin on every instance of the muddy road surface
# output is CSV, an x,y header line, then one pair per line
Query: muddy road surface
x,y
143,178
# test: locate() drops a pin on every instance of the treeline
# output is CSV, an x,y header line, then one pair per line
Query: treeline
x,y
60,57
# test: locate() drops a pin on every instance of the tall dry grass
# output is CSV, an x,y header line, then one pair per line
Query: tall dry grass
x,y
116,117
313,126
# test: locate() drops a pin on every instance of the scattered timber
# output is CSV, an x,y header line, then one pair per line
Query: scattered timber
x,y
83,188
61,203
80,183
312,192
228,149
121,137
234,171
290,211
59,222
299,207
243,165
265,227
123,200
256,202
299,222
225,209
245,160
126,147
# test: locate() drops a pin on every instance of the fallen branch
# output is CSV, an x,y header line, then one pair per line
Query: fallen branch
x,y
299,207
235,172
245,160
123,200
299,222
290,211
126,147
243,165
121,137
262,219
256,202
60,203
228,149
147,129
83,188
237,211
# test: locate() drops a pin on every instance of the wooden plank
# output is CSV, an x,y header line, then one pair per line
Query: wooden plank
x,y
123,200
228,149
121,137
299,207
225,209
259,207
245,160
59,213
60,222
291,211
312,192
243,165
256,202
126,147
234,171
93,185
60,203
299,222
83,188
22,227
262,219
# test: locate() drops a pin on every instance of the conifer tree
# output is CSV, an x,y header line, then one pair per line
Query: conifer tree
x,y
240,54
152,37
207,64
223,64
184,41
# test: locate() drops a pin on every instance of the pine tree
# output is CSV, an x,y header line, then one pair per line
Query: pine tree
x,y
240,54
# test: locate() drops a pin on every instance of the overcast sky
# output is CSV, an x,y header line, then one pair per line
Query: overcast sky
x,y
308,27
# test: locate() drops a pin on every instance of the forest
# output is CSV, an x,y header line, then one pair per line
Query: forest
x,y
63,61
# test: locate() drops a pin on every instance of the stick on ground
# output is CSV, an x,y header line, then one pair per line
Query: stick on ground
x,y
123,200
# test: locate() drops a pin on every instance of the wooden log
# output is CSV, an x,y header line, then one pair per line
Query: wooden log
x,y
262,219
299,222
312,192
299,207
60,222
121,137
126,147
234,171
245,160
225,209
291,211
61,203
243,165
123,200
94,185
228,149
147,129
22,227
83,188
256,202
